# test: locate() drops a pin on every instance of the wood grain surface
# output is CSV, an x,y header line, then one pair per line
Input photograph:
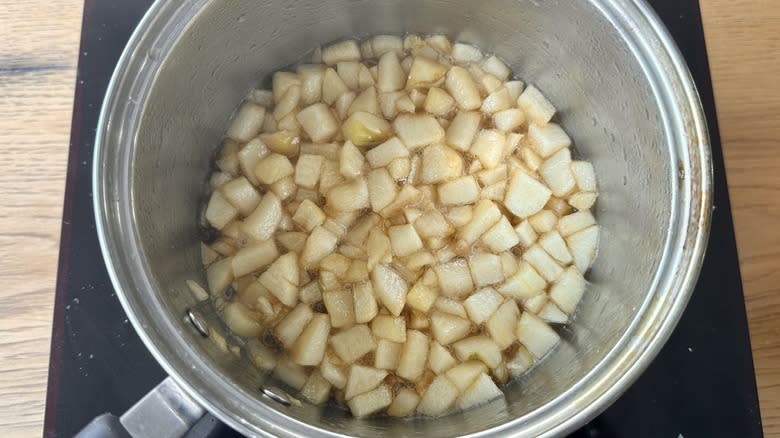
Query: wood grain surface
x,y
38,55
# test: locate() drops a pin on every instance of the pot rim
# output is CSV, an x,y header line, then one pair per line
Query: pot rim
x,y
675,280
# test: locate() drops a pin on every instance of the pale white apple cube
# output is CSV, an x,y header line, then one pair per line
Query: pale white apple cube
x,y
536,106
438,398
461,191
349,72
451,306
535,304
537,337
462,88
481,305
311,82
340,306
575,222
263,222
463,129
585,175
335,263
501,236
454,278
261,356
364,302
543,221
381,44
413,356
460,216
509,119
353,343
547,140
526,283
241,194
389,327
349,196
418,130
552,314
568,290
378,248
287,103
525,195
553,243
317,388
440,164
386,152
520,362
366,101
501,326
282,142
447,328
462,52
366,129
253,257
515,88
272,168
404,404
481,391
309,348
545,265
220,211
556,172
583,246
320,243
484,216
390,288
307,170
311,293
347,50
291,373
247,122
438,102
486,269
390,74
308,215
387,354
496,101
478,347
241,321
489,147
362,379
421,297
425,72
382,189
531,159
583,200
331,370
440,359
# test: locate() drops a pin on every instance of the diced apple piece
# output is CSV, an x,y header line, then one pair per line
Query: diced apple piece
x,y
545,265
543,221
362,379
464,190
520,362
289,101
390,328
481,305
378,249
463,129
509,264
320,243
247,122
536,106
317,388
219,211
465,373
531,159
496,101
559,206
253,257
353,343
404,240
346,50
432,224
309,216
526,233
575,222
486,269
382,189
501,325
583,200
307,170
535,304
440,164
350,196
526,283
413,356
421,297
291,373
311,83
292,241
488,147
365,306
454,278
447,328
272,168
482,390
241,194
309,348
556,172
552,314
451,306
425,72
466,53
366,101
440,359
371,402
525,195
478,347
386,152
462,88
438,398
438,102
241,320
501,236
390,288
335,263
583,245
282,142
330,368
333,86
509,119
366,129
584,175
568,290
340,306
548,139
318,122
460,216
553,243
418,130
536,335
311,293
485,215
404,404
261,356
262,223
390,74
349,71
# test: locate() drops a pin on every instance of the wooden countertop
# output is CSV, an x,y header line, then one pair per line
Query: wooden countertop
x,y
37,74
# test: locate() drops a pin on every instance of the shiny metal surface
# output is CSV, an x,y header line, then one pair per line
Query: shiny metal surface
x,y
624,95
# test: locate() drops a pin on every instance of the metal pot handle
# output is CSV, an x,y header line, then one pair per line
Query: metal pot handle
x,y
165,412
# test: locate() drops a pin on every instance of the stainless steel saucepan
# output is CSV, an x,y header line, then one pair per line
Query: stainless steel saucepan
x,y
624,94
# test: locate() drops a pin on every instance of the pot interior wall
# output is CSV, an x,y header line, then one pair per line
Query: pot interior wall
x,y
568,49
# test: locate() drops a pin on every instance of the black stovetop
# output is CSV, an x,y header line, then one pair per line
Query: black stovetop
x,y
701,384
